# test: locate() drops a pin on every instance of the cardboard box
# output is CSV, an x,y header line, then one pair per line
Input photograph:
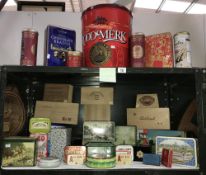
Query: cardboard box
x,y
58,92
97,95
147,101
149,118
97,112
57,112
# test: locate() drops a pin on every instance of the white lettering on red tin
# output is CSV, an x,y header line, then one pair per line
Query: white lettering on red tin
x,y
107,35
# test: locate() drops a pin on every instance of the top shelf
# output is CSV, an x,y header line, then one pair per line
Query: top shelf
x,y
82,70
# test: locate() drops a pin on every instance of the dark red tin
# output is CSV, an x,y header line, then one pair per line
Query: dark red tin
x,y
106,29
29,47
137,50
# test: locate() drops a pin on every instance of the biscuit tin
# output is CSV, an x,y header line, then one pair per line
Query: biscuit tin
x,y
59,41
184,149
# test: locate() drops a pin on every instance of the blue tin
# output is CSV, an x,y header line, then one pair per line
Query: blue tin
x,y
58,42
151,159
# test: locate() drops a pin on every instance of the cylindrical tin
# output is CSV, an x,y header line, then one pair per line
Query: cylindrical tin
x,y
74,59
137,50
106,30
182,49
29,47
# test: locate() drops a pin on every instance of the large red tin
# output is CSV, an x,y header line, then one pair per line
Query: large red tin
x,y
106,29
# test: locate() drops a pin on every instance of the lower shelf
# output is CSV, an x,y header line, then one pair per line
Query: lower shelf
x,y
135,165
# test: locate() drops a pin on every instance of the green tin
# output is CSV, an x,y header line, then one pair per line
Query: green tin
x,y
39,125
100,155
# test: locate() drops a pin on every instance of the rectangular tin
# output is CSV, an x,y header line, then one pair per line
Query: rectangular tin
x,y
98,131
125,135
42,145
184,149
167,156
74,155
18,149
59,41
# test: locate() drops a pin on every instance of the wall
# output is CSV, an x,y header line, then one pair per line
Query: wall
x,y
12,24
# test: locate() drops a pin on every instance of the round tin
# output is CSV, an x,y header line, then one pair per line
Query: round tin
x,y
182,49
74,59
137,50
49,162
106,30
29,47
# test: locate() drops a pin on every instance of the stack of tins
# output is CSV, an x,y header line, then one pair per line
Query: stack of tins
x,y
106,31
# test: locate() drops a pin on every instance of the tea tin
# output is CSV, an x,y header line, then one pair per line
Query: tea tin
x,y
124,154
39,125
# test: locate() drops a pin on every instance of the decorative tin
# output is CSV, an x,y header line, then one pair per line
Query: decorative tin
x,y
42,145
159,50
147,137
19,152
105,36
74,59
124,154
98,132
152,159
58,42
167,156
182,49
184,149
58,139
100,155
74,155
29,47
125,135
137,50
39,125
147,101
139,152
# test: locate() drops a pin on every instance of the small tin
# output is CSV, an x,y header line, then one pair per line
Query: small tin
x,y
74,59
182,49
29,47
39,125
100,155
167,155
74,155
137,50
124,154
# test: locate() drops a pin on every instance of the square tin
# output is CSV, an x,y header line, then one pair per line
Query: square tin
x,y
125,135
59,41
101,131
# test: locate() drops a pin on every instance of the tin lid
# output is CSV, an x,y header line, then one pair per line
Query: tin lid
x,y
138,33
49,160
182,33
107,5
29,30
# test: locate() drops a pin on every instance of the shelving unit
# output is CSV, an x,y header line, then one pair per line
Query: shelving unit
x,y
176,88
